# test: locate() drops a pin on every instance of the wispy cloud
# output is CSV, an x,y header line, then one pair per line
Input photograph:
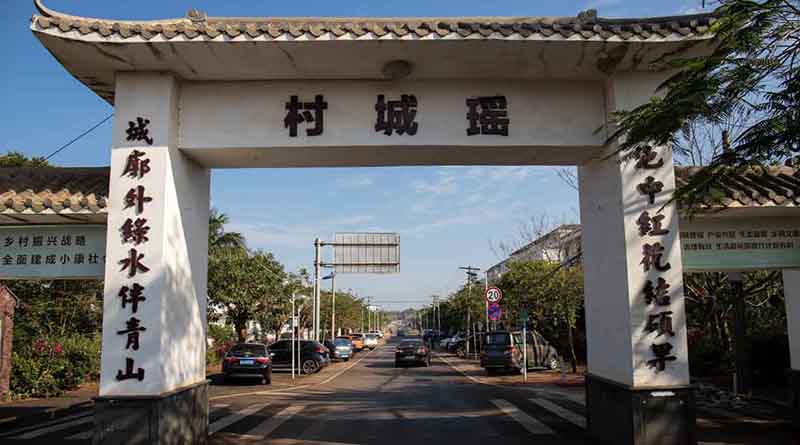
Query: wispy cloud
x,y
268,235
444,185
355,181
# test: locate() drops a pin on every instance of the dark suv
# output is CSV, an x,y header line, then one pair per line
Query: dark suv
x,y
313,355
501,353
248,360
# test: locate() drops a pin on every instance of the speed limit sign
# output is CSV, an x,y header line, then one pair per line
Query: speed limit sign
x,y
494,295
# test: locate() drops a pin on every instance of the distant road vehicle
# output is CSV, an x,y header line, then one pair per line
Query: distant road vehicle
x,y
358,341
412,351
370,341
341,348
378,334
248,360
313,356
503,352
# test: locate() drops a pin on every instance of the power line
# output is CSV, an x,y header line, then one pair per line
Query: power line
x,y
80,136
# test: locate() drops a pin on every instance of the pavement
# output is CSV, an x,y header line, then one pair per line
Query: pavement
x,y
368,401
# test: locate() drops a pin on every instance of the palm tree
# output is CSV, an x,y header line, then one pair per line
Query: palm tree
x,y
218,238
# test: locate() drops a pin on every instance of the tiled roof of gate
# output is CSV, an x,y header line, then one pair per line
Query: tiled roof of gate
x,y
586,25
751,186
54,190
85,189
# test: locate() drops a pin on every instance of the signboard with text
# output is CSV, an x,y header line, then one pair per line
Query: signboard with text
x,y
711,244
52,252
366,253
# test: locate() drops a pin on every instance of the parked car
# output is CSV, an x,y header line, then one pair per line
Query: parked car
x,y
313,356
341,348
503,352
248,360
445,342
370,341
475,345
412,351
358,341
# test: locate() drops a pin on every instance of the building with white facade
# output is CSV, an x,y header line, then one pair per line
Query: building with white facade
x,y
560,245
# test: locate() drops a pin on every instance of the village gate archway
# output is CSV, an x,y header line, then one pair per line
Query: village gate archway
x,y
199,92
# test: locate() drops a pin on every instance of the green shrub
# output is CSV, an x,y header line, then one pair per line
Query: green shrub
x,y
222,337
49,367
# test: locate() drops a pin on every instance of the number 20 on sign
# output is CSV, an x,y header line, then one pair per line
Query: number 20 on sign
x,y
494,295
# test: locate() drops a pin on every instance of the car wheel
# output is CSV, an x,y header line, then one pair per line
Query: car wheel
x,y
268,377
491,371
347,359
396,365
310,367
461,352
553,363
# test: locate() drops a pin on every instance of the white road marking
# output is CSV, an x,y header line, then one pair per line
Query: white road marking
x,y
61,426
572,417
266,428
529,423
86,435
51,422
235,417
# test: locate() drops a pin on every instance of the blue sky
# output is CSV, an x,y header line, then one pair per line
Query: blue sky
x,y
446,216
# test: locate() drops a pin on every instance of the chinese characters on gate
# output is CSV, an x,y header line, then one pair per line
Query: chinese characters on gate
x,y
134,235
651,226
484,115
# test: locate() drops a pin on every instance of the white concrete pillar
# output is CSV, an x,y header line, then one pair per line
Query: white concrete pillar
x,y
624,383
169,363
791,293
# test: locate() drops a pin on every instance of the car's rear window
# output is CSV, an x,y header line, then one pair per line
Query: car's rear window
x,y
342,342
410,343
248,350
357,335
498,338
371,336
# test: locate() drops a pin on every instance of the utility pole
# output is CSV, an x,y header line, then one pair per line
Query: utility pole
x,y
486,289
472,272
333,305
438,314
317,266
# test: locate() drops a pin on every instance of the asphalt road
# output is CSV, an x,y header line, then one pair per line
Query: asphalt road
x,y
368,401
374,403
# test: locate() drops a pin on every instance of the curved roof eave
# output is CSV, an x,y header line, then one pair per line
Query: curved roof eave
x,y
585,26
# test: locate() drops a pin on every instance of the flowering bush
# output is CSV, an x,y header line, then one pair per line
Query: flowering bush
x,y
48,367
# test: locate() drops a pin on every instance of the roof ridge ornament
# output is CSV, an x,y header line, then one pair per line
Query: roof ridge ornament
x,y
197,16
588,16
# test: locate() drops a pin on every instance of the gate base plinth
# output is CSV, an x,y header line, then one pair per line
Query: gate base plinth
x,y
620,415
176,417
